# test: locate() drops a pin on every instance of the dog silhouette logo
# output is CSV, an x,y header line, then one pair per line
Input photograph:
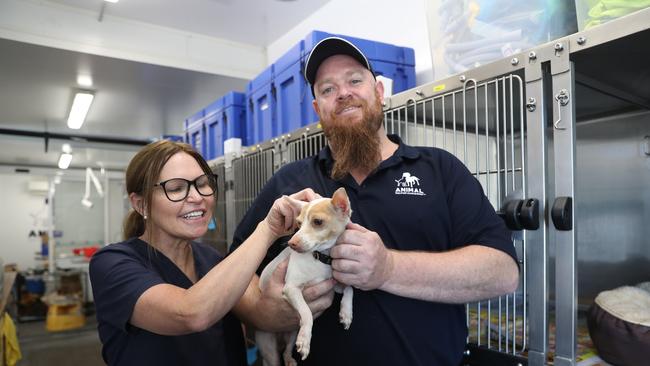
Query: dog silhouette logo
x,y
408,184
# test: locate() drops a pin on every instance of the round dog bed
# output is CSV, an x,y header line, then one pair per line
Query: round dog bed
x,y
619,325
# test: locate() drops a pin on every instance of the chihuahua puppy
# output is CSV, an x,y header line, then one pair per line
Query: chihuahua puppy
x,y
321,222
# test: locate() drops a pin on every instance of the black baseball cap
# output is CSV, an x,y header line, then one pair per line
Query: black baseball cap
x,y
331,46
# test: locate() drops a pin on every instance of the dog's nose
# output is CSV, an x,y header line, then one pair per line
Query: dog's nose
x,y
294,242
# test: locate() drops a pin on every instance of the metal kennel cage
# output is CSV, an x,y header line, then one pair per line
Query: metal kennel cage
x,y
558,136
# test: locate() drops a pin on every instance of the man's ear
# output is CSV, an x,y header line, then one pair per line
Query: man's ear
x,y
137,202
341,202
314,104
379,87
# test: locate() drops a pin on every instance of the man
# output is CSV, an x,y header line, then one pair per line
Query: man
x,y
413,255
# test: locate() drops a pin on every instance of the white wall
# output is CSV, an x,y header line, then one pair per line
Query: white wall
x,y
21,212
403,23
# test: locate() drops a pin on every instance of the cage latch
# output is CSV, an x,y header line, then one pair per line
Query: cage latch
x,y
521,214
562,213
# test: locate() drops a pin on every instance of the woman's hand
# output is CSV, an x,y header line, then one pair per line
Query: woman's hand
x,y
281,219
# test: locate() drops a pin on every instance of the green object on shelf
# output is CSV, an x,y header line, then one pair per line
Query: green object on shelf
x,y
602,11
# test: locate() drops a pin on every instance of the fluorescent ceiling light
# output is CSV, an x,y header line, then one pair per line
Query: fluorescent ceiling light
x,y
79,109
111,1
64,160
85,81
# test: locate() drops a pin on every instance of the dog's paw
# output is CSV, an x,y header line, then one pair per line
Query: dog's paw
x,y
345,318
302,344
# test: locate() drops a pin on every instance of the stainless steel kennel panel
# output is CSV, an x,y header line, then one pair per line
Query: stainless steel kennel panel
x,y
482,122
217,237
251,171
309,142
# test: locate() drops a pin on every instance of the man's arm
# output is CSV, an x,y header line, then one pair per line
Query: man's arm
x,y
470,273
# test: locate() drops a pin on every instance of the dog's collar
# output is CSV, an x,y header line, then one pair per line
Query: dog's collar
x,y
322,257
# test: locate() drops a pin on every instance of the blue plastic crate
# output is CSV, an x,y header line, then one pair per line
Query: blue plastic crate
x,y
394,62
372,49
403,76
190,121
213,108
260,109
294,99
196,136
225,123
293,93
290,58
214,136
174,138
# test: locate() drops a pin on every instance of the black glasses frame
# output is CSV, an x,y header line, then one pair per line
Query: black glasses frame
x,y
212,180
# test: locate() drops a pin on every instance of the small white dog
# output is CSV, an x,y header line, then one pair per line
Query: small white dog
x,y
321,222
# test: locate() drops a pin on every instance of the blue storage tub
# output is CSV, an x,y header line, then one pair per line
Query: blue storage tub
x,y
34,285
174,138
225,118
293,95
260,109
195,134
194,131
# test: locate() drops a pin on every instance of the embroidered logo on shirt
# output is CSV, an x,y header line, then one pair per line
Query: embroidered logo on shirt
x,y
408,184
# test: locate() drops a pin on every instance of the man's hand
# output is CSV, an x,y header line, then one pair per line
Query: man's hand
x,y
361,259
282,316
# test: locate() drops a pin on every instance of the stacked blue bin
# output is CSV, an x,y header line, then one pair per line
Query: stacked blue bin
x,y
260,111
224,119
195,131
280,99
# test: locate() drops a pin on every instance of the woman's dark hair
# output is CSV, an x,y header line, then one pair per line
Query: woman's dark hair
x,y
144,171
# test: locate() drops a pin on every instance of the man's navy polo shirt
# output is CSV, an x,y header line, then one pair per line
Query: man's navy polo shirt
x,y
418,199
120,273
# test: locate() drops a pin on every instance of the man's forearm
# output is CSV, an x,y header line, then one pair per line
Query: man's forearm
x,y
471,273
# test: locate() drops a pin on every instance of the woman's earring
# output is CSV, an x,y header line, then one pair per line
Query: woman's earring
x,y
145,216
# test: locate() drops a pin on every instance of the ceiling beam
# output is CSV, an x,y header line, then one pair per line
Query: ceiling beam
x,y
76,137
53,25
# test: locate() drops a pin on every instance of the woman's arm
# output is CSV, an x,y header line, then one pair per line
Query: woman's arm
x,y
170,310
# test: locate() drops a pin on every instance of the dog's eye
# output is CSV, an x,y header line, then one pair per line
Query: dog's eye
x,y
317,222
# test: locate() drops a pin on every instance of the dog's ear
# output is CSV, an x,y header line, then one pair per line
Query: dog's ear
x,y
341,202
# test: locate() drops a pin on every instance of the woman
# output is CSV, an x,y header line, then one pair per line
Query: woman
x,y
160,297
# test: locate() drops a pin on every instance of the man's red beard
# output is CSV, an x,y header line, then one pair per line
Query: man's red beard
x,y
355,144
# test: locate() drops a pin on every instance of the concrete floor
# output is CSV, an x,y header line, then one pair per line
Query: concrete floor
x,y
66,348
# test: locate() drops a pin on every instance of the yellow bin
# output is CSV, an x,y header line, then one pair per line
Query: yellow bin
x,y
64,317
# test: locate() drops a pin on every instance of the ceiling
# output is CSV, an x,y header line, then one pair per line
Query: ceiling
x,y
133,100
256,22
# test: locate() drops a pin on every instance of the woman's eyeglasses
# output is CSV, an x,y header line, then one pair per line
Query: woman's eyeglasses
x,y
177,189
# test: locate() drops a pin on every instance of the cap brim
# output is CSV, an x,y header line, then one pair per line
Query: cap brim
x,y
329,47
